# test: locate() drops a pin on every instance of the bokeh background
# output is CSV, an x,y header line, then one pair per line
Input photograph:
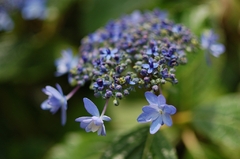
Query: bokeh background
x,y
28,52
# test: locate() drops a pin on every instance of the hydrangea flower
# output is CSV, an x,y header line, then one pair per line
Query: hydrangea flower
x,y
66,62
56,100
209,42
157,112
94,123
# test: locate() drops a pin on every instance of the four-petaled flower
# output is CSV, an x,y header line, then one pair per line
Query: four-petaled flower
x,y
107,53
56,100
94,123
66,62
151,65
157,112
209,42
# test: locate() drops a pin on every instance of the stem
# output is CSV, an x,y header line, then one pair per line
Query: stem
x,y
105,107
159,88
72,92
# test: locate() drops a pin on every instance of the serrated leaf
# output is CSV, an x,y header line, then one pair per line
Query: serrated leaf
x,y
220,120
140,144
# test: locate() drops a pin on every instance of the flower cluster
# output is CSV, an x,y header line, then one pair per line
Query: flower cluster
x,y
30,9
140,50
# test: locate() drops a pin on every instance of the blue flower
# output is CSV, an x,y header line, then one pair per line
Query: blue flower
x,y
56,100
34,9
157,112
6,23
65,63
209,43
94,123
152,49
150,66
107,53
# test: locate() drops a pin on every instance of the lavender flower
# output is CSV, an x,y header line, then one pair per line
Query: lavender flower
x,y
107,53
150,66
56,100
157,112
66,62
209,43
94,123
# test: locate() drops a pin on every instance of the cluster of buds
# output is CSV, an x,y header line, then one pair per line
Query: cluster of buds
x,y
138,50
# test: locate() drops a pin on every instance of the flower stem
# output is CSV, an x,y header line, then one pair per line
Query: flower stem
x,y
159,88
72,92
105,107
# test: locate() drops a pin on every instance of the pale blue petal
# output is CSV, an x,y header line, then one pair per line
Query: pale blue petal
x,y
102,131
151,98
169,109
54,109
89,127
155,65
149,109
90,107
59,89
217,49
145,65
80,119
147,117
106,118
150,70
97,121
53,92
83,125
161,100
167,119
45,105
156,124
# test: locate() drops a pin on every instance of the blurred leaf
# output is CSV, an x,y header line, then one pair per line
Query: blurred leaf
x,y
220,121
141,144
79,145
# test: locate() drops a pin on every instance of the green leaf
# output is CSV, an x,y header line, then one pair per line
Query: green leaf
x,y
220,121
140,144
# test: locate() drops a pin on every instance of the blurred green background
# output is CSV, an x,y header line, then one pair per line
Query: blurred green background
x,y
27,55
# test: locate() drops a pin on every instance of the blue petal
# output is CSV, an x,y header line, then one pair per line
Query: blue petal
x,y
80,119
167,119
169,109
155,65
63,116
145,65
53,92
97,121
217,49
54,109
59,89
147,117
45,105
83,125
90,107
156,124
102,130
151,98
150,70
161,100
89,127
106,118
149,109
